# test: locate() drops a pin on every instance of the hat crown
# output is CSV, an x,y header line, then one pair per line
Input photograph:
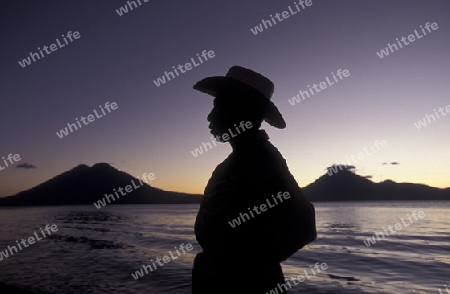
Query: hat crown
x,y
252,79
244,77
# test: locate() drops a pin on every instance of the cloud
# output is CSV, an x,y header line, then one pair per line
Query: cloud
x,y
26,166
392,163
342,167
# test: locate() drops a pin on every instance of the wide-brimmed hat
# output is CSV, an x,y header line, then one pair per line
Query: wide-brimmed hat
x,y
238,78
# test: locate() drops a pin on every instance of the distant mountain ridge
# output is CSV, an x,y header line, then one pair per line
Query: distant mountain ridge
x,y
345,185
87,185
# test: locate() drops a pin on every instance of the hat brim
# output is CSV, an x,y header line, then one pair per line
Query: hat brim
x,y
215,85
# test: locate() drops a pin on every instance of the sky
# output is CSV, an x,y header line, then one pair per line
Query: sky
x,y
117,58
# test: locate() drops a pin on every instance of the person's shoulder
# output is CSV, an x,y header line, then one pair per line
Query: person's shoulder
x,y
264,163
272,155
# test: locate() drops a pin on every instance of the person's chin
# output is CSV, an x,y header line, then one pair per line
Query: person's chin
x,y
214,132
217,135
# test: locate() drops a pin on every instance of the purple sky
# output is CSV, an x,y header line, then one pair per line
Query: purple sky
x,y
154,129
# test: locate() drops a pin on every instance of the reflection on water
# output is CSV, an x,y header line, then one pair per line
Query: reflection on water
x,y
97,251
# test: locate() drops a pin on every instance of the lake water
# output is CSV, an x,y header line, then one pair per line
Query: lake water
x,y
96,251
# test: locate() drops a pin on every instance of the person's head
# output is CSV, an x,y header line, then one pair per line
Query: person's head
x,y
242,95
233,106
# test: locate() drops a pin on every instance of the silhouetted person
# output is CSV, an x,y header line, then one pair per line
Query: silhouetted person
x,y
243,246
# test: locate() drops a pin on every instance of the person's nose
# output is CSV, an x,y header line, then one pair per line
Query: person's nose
x,y
208,118
210,115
